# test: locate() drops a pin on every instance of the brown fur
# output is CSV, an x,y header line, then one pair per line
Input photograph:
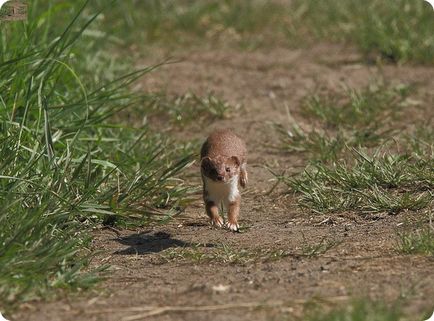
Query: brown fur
x,y
224,149
223,156
224,142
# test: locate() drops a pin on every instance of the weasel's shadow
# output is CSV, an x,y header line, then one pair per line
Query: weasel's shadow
x,y
146,243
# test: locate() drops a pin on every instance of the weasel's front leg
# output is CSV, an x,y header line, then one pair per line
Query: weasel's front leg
x,y
233,212
213,212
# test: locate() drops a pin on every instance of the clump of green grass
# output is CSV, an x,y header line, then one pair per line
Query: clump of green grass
x,y
421,141
315,249
420,241
382,183
357,119
65,165
184,22
318,145
369,107
225,254
397,30
3,11
358,310
222,254
190,108
341,176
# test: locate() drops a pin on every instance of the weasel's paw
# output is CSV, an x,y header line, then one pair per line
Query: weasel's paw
x,y
217,221
234,227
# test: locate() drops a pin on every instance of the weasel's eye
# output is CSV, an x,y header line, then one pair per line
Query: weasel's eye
x,y
228,169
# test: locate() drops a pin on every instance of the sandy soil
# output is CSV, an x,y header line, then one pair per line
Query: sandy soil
x,y
363,261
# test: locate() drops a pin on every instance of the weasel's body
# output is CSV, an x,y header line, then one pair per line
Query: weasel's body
x,y
223,166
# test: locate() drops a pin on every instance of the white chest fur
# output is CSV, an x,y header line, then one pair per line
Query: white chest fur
x,y
222,192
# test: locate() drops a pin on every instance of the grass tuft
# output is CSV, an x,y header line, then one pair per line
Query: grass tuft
x,y
420,241
356,119
370,107
315,249
190,108
65,165
358,310
185,22
382,183
227,255
222,254
341,175
395,30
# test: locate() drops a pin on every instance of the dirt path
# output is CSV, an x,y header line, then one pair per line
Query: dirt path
x,y
160,265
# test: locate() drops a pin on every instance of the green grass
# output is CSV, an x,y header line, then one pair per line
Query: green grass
x,y
381,183
421,141
317,145
3,11
368,108
358,156
190,109
419,241
221,254
65,164
228,255
358,310
68,162
356,118
315,249
397,30
187,22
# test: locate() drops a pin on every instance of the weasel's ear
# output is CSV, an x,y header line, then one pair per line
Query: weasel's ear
x,y
235,160
205,162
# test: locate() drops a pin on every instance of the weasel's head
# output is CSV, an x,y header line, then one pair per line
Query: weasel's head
x,y
220,169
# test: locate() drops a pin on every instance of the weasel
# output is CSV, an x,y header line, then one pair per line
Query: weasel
x,y
223,167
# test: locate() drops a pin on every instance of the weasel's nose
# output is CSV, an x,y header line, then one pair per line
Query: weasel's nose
x,y
220,177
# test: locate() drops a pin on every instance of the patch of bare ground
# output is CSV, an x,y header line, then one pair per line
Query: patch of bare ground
x,y
192,270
